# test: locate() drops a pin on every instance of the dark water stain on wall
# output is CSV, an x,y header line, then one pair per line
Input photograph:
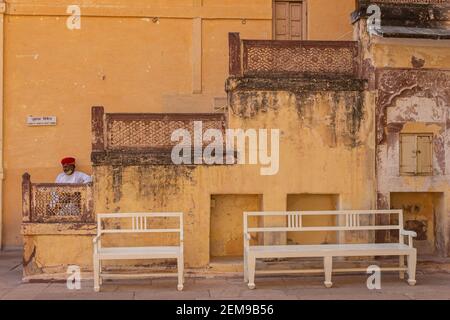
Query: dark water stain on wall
x,y
354,113
247,104
117,183
160,183
347,106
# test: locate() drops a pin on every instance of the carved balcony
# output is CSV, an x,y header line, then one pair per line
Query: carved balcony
x,y
56,203
123,139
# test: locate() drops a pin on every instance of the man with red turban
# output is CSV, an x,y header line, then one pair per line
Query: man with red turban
x,y
70,175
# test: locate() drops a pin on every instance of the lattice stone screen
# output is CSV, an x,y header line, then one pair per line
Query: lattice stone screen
x,y
278,58
57,203
409,1
140,131
290,58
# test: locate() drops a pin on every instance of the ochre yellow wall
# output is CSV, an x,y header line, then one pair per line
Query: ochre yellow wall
x,y
398,53
226,236
316,156
309,149
313,202
120,59
330,20
396,56
50,254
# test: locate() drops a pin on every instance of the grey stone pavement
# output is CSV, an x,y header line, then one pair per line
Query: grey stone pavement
x,y
431,284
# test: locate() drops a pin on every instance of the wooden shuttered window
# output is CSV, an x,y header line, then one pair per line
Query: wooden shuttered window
x,y
424,158
289,20
408,154
416,154
281,20
296,17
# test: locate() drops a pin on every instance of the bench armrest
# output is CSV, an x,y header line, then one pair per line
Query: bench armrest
x,y
95,240
408,233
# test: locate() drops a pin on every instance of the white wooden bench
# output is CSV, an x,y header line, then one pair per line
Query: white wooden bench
x,y
139,225
345,221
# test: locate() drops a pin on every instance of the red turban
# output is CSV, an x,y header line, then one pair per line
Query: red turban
x,y
68,160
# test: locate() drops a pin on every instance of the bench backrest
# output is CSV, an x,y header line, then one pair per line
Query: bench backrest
x,y
139,223
346,220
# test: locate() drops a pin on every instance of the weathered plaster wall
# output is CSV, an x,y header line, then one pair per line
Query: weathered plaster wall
x,y
411,79
51,248
122,59
311,202
409,53
119,58
421,213
326,147
417,114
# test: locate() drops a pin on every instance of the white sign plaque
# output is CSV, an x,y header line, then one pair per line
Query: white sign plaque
x,y
41,121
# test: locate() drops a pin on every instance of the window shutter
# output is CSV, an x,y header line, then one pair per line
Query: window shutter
x,y
424,152
281,20
408,155
296,21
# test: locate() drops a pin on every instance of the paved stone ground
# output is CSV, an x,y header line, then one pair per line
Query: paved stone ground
x,y
431,285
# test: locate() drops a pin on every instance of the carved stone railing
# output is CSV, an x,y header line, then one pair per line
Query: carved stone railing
x,y
145,131
406,1
56,203
274,58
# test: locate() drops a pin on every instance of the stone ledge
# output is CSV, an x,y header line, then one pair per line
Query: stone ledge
x,y
295,84
34,229
148,157
129,157
432,15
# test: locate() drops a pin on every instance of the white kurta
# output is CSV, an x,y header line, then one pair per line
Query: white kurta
x,y
76,177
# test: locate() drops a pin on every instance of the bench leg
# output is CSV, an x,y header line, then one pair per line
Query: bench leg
x,y
245,266
100,267
412,260
401,264
251,272
96,274
328,267
180,266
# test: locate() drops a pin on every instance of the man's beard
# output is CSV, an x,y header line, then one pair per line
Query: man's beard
x,y
69,172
